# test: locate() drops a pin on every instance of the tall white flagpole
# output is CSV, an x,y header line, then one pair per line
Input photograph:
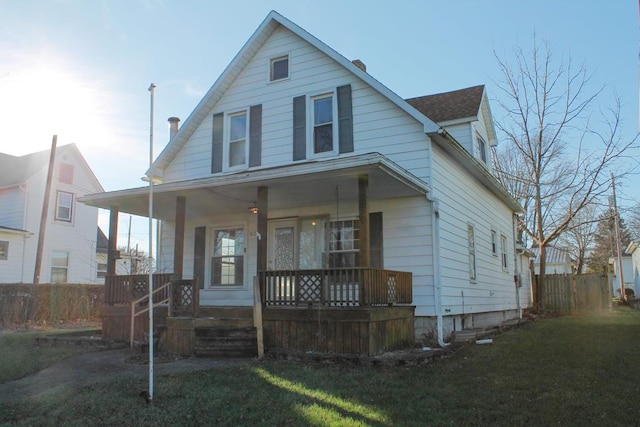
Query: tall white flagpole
x,y
151,89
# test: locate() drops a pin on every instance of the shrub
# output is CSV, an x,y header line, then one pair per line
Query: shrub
x,y
49,303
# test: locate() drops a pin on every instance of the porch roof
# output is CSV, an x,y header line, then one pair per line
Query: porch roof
x,y
290,186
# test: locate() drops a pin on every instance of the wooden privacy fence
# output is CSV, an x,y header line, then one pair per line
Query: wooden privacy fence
x,y
566,293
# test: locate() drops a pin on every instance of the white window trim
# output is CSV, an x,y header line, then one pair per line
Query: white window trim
x,y
480,141
5,255
473,279
209,255
274,58
311,125
494,242
66,267
504,259
71,209
226,140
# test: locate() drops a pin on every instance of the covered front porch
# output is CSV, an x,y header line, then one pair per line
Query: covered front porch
x,y
363,311
297,249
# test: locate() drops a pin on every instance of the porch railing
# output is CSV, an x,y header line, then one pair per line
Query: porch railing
x,y
183,296
342,287
124,289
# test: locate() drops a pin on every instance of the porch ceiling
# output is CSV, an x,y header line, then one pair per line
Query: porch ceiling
x,y
293,186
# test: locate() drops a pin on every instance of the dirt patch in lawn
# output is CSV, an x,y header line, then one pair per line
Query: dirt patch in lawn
x,y
92,367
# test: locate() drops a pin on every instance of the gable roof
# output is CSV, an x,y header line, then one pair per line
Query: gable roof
x,y
242,58
468,104
102,242
554,255
454,105
17,170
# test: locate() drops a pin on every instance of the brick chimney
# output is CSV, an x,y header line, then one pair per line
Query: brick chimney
x,y
173,127
360,65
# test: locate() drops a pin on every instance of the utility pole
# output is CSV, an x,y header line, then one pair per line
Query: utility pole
x,y
619,249
45,212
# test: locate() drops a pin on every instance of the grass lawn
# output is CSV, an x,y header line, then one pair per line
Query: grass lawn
x,y
579,370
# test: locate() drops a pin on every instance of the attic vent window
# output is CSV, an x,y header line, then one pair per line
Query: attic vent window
x,y
279,68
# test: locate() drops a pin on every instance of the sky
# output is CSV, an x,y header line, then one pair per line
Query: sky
x,y
81,69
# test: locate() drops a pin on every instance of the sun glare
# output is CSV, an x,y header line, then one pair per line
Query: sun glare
x,y
40,101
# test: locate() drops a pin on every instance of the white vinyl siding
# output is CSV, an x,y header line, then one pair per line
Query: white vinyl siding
x,y
379,125
464,201
13,203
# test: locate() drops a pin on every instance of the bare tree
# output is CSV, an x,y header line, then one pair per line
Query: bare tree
x,y
557,164
580,234
634,222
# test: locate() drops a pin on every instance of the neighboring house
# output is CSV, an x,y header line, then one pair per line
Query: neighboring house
x,y
634,250
299,159
627,272
558,260
125,264
69,251
525,260
12,244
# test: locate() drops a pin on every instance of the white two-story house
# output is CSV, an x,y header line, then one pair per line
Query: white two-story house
x,y
298,163
69,246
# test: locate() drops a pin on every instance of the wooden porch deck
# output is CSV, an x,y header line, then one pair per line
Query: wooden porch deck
x,y
360,311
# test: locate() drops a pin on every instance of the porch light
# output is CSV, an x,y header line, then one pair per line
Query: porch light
x,y
253,209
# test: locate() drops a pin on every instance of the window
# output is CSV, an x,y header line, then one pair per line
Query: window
x,y
323,124
322,107
102,270
227,262
344,243
482,149
66,173
494,243
4,250
64,203
237,139
503,251
279,68
59,267
472,252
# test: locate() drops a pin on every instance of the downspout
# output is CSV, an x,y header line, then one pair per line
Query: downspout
x,y
437,284
435,237
516,273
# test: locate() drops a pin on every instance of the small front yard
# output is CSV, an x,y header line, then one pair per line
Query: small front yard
x,y
580,370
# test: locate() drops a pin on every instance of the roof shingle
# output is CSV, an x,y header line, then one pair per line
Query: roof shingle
x,y
457,104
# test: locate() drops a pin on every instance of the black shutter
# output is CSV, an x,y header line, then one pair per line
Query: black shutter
x,y
216,146
345,119
299,128
376,253
255,135
198,258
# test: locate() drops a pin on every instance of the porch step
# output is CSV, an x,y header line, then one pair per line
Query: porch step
x,y
223,322
226,342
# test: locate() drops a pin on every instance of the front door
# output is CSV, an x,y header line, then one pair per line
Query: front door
x,y
281,253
